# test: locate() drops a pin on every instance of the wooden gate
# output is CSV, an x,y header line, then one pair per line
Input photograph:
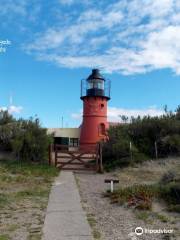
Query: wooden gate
x,y
89,159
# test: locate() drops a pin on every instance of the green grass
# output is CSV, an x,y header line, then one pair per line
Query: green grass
x,y
96,234
142,215
149,216
12,227
170,192
4,200
27,169
174,208
34,237
35,192
92,222
4,237
162,218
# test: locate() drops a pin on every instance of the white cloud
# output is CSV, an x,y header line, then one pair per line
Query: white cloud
x,y
13,11
12,109
13,7
128,37
15,109
114,113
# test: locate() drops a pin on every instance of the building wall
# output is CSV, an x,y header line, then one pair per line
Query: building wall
x,y
66,136
94,125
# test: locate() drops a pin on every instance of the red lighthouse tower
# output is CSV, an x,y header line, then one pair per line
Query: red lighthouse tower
x,y
95,92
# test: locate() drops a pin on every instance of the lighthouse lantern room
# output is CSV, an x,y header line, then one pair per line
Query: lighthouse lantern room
x,y
95,93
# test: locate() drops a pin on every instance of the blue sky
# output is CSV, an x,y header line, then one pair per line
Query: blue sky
x,y
54,44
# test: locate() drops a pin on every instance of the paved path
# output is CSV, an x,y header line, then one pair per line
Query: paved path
x,y
65,218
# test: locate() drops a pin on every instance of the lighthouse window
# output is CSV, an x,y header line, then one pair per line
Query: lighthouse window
x,y
102,129
94,83
90,85
101,85
102,105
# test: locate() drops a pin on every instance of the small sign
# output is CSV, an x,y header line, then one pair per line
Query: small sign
x,y
112,182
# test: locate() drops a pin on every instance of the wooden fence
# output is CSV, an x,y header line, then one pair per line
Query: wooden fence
x,y
89,158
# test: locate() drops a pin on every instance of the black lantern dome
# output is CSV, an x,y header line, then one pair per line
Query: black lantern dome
x,y
95,85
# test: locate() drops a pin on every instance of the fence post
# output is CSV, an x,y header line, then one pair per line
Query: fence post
x,y
97,157
156,150
130,149
55,155
100,158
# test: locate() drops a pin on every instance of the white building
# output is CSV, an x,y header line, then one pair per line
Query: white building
x,y
65,136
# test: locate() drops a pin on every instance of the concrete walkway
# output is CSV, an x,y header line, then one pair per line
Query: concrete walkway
x,y
65,218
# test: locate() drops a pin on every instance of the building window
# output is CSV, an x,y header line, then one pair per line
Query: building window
x,y
102,105
73,142
61,140
102,129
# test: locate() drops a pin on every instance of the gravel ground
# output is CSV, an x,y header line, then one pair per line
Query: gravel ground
x,y
114,222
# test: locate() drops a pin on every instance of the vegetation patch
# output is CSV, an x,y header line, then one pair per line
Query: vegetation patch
x,y
136,196
92,222
4,237
141,196
140,139
24,190
26,139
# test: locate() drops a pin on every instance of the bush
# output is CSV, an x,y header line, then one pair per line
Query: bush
x,y
143,133
171,192
25,138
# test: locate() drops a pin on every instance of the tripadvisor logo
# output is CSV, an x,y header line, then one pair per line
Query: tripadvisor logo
x,y
139,231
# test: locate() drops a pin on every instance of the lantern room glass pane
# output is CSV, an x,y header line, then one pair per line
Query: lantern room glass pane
x,y
94,83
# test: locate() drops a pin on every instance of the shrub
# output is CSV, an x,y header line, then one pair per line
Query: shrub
x,y
144,134
136,196
171,192
25,138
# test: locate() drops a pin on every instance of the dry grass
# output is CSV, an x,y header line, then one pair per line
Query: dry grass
x,y
148,172
146,178
24,191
